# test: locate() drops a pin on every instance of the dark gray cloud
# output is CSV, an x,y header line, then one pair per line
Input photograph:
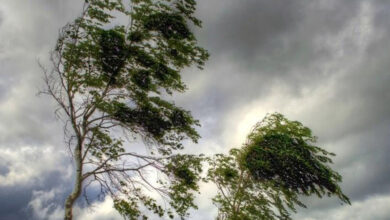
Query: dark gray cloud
x,y
1,17
249,26
20,195
291,50
260,44
333,63
264,36
4,170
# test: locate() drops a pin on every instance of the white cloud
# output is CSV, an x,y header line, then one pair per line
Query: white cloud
x,y
98,211
42,205
45,207
27,165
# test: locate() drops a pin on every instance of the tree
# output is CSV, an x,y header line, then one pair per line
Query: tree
x,y
266,177
111,83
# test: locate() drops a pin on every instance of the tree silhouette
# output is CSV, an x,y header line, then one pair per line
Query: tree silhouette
x,y
111,84
278,163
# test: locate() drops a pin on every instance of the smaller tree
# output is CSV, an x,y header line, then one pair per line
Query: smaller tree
x,y
265,178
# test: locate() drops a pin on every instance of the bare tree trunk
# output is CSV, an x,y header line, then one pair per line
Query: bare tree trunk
x,y
77,186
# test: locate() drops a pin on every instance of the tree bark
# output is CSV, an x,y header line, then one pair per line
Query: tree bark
x,y
77,186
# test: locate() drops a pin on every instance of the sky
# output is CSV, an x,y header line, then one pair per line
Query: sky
x,y
324,63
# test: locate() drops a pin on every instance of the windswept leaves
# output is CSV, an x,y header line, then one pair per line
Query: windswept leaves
x,y
117,77
264,179
169,25
113,53
186,170
283,152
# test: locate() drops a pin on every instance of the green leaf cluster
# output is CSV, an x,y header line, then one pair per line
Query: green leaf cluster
x,y
266,177
121,77
184,174
186,171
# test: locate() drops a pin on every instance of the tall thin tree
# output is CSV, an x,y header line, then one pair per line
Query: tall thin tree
x,y
111,80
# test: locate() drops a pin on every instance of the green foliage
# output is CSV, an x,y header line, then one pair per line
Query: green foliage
x,y
278,163
283,151
186,170
119,77
112,54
